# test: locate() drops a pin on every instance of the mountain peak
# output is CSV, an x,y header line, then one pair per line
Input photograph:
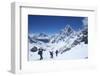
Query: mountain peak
x,y
42,35
68,27
67,30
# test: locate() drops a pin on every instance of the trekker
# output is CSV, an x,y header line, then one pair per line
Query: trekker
x,y
51,54
56,52
40,52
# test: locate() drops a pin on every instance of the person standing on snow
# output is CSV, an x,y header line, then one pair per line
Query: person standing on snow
x,y
40,52
56,52
51,54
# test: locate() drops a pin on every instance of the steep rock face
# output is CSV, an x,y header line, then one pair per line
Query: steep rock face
x,y
80,37
63,35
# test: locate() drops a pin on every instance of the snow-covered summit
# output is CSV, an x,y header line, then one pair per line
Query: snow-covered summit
x,y
63,34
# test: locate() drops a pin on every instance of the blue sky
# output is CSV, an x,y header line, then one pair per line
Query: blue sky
x,y
52,24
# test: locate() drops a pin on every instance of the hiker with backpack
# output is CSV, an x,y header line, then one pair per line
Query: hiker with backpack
x,y
56,52
51,54
40,52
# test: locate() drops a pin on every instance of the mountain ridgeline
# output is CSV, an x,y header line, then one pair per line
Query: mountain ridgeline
x,y
62,41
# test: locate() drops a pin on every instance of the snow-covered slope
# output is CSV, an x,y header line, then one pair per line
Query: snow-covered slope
x,y
77,52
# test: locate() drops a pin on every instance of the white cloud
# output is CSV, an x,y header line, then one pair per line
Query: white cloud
x,y
85,21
